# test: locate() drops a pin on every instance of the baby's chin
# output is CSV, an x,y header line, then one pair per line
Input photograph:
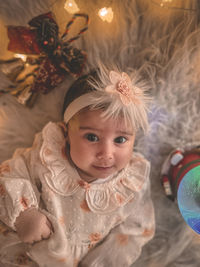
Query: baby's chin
x,y
103,172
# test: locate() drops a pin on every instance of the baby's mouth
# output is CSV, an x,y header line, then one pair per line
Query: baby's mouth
x,y
102,167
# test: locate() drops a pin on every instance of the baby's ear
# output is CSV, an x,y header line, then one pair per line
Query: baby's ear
x,y
64,128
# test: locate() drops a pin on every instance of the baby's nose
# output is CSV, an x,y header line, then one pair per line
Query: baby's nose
x,y
105,152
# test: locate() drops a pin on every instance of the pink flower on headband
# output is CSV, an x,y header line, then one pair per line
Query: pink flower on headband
x,y
122,85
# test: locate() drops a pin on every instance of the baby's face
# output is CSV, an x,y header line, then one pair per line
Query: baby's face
x,y
99,148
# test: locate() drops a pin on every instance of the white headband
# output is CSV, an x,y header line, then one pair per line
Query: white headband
x,y
79,103
120,85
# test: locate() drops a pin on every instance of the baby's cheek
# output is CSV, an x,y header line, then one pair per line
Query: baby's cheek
x,y
79,155
75,157
122,162
125,158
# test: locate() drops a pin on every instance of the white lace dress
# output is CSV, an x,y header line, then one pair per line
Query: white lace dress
x,y
95,225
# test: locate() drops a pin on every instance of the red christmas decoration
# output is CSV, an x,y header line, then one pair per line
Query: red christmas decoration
x,y
54,57
176,166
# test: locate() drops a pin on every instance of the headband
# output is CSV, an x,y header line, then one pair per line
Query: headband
x,y
78,104
120,86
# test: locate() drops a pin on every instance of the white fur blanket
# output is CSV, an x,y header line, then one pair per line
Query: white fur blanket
x,y
164,46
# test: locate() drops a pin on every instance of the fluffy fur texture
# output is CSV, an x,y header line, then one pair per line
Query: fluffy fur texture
x,y
163,45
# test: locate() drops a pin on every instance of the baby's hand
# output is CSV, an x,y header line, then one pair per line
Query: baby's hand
x,y
32,226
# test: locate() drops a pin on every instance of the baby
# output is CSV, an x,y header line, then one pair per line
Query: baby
x,y
80,196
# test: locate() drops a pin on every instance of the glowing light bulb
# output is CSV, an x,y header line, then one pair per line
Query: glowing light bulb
x,y
23,57
165,1
106,14
71,6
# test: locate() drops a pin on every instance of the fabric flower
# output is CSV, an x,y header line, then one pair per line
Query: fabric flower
x,y
148,232
84,206
2,190
24,202
4,168
121,84
122,239
95,237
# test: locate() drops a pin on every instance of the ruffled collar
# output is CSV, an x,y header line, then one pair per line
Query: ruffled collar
x,y
64,179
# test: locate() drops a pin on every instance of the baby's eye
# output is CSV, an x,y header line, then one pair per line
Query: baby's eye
x,y
120,140
91,137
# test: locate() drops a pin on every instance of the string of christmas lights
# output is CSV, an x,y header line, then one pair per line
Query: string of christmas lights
x,y
169,4
105,13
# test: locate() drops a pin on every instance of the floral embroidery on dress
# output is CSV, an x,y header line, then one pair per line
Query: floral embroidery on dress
x,y
147,232
47,152
94,238
131,200
76,262
120,199
2,191
84,206
4,229
122,239
62,260
61,220
84,184
23,259
24,202
4,168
